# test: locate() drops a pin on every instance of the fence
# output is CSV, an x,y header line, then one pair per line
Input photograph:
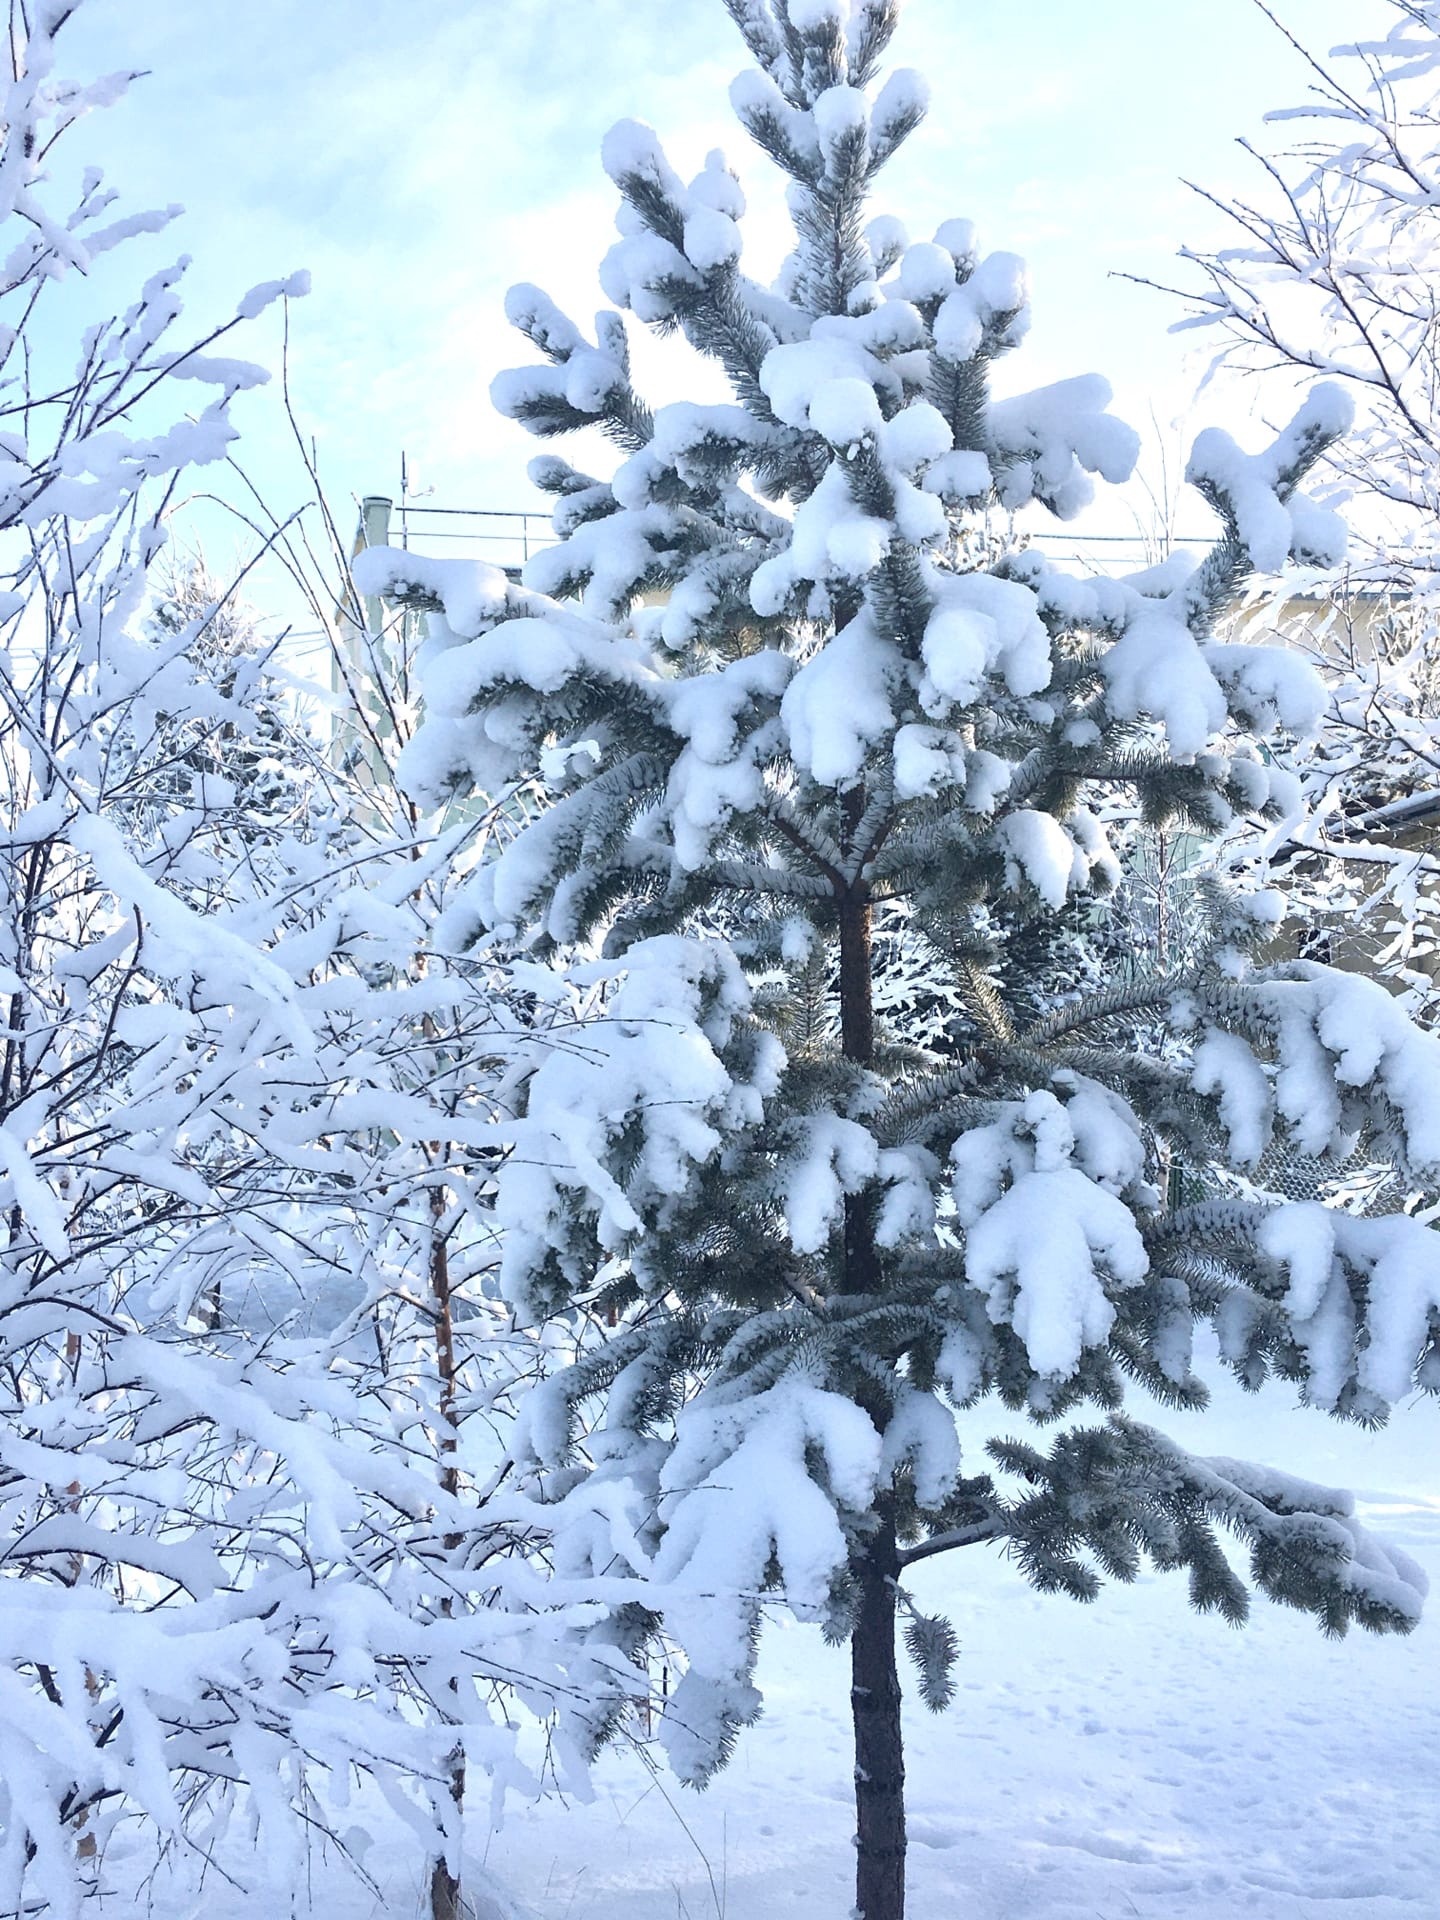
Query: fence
x,y
507,536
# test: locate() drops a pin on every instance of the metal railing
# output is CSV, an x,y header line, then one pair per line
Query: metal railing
x,y
516,530
507,536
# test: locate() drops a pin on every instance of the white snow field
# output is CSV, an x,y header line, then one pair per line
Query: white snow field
x,y
1126,1758
1129,1758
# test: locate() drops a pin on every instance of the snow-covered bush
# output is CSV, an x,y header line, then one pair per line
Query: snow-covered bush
x,y
791,720
1331,272
249,1377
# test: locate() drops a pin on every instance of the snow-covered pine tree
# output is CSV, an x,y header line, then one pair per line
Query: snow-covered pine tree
x,y
232,648
792,1235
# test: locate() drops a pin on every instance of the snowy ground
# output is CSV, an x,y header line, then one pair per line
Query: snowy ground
x,y
1123,1759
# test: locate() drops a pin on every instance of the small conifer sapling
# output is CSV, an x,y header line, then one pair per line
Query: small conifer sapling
x,y
802,733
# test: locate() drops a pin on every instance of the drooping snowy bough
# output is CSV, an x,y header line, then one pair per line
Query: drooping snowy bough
x,y
799,721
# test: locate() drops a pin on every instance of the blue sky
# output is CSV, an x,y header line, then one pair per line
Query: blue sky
x,y
420,155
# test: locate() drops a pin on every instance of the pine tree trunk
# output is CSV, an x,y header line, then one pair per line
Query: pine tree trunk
x,y
875,1680
879,1741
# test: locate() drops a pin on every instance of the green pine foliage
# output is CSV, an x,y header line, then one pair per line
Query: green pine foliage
x,y
872,1107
